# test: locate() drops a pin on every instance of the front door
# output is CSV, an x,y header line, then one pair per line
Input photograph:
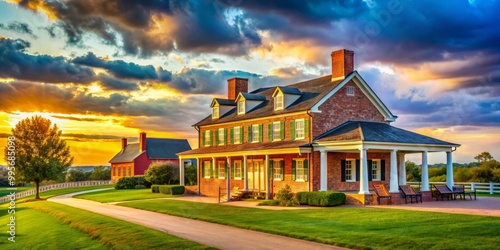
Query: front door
x,y
256,175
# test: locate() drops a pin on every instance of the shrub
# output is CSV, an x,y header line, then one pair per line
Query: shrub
x,y
162,173
285,197
175,190
139,186
190,175
131,182
323,199
155,188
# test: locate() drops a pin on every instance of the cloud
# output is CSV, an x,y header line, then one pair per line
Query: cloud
x,y
80,119
19,27
110,83
16,63
86,137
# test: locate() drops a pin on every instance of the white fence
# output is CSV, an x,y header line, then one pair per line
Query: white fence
x,y
56,186
480,187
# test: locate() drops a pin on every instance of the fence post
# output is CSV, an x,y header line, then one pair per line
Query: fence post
x,y
491,187
472,186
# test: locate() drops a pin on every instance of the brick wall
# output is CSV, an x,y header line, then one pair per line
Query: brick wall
x,y
340,108
115,174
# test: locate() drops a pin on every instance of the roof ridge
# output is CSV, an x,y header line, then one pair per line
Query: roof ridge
x,y
361,131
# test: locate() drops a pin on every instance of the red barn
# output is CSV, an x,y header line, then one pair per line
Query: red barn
x,y
134,158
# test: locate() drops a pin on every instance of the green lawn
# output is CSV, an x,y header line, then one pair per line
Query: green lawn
x,y
488,194
349,227
114,195
4,190
48,225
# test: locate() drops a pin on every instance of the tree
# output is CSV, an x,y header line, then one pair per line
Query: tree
x,y
483,157
190,175
413,172
162,173
76,175
40,154
100,173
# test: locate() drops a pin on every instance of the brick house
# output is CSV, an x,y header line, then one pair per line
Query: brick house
x,y
135,158
328,133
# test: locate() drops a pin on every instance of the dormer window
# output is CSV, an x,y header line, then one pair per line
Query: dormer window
x,y
278,102
215,112
241,107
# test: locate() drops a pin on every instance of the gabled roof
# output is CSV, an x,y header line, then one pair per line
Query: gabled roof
x,y
287,90
368,131
222,102
249,96
156,148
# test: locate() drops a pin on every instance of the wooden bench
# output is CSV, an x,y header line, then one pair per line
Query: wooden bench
x,y
460,190
408,191
382,193
442,191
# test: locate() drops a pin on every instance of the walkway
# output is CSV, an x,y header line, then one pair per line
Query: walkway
x,y
486,206
210,234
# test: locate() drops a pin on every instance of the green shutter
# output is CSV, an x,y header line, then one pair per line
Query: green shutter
x,y
270,132
211,168
271,169
232,171
217,171
249,139
210,141
225,170
306,170
225,136
292,129
282,167
231,135
293,169
260,132
216,137
203,139
241,134
203,170
306,128
282,130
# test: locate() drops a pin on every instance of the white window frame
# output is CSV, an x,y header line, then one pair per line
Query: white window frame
x,y
302,176
238,170
206,134
236,135
220,132
377,170
279,102
301,129
352,168
255,132
277,176
215,112
241,107
276,131
350,90
206,165
221,165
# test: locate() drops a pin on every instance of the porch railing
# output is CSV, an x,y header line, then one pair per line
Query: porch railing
x,y
55,186
480,187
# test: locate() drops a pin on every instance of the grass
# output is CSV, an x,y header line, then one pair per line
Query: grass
x,y
5,190
48,225
114,195
348,227
488,194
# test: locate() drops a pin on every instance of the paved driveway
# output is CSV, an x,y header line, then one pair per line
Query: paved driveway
x,y
210,234
486,206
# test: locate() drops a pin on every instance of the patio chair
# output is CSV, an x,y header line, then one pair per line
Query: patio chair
x,y
382,193
443,191
460,190
408,191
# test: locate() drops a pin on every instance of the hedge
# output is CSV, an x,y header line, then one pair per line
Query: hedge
x,y
155,188
169,189
131,182
322,199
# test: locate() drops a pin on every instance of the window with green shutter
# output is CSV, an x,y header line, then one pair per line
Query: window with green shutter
x,y
270,132
292,129
261,126
282,130
249,138
306,127
241,134
294,170
299,169
277,168
231,136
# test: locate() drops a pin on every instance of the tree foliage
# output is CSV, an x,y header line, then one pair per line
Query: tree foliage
x,y
483,157
101,174
162,173
40,153
190,175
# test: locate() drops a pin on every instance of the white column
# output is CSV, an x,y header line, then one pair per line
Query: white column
x,y
449,171
402,169
324,171
198,164
393,187
425,172
363,182
245,172
181,171
228,178
266,177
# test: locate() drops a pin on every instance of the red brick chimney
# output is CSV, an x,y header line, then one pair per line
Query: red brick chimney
x,y
235,86
124,142
142,141
342,63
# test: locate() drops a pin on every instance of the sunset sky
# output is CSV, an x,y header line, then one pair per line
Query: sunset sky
x,y
106,69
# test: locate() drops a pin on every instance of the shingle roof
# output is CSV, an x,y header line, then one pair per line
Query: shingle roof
x,y
291,91
156,148
225,102
377,132
312,91
257,97
247,147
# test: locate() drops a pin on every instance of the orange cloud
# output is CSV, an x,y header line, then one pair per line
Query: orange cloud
x,y
37,5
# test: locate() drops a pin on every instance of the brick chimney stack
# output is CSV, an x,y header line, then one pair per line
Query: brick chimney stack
x,y
342,64
142,141
124,142
235,86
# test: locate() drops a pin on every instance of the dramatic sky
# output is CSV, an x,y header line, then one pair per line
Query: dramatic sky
x,y
106,69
